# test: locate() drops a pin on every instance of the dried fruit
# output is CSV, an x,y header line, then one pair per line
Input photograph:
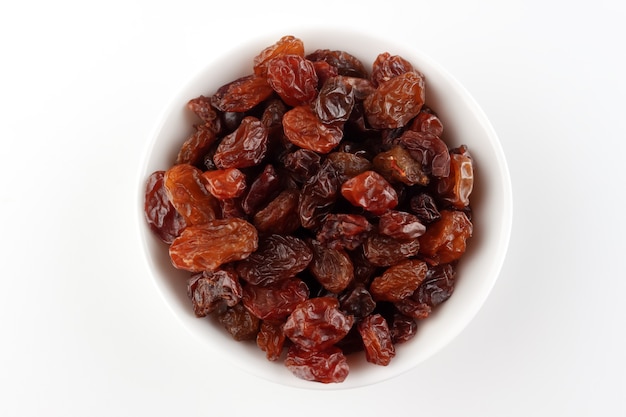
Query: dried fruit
x,y
344,231
383,250
326,366
370,191
287,45
304,129
271,340
331,267
395,102
400,225
399,280
397,165
209,290
186,189
239,322
276,300
281,215
445,240
457,187
293,78
335,101
160,214
225,183
209,245
379,348
242,94
243,148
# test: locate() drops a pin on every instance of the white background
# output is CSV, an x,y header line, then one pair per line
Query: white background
x,y
83,329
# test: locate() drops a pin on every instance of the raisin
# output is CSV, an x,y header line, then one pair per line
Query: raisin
x,y
370,191
304,129
326,366
383,250
395,102
397,165
245,147
402,328
242,94
427,122
331,267
412,308
357,302
293,78
335,101
225,183
287,45
264,187
302,164
445,240
231,208
281,215
201,107
399,280
376,336
207,246
159,212
344,231
187,191
317,323
457,187
324,72
277,258
387,66
276,300
438,285
196,146
271,340
429,150
345,63
239,322
318,196
349,165
209,290
400,225
424,207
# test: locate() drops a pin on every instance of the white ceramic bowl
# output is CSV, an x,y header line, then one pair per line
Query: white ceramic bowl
x,y
464,123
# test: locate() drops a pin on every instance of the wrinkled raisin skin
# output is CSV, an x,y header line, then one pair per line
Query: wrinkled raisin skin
x,y
326,366
160,214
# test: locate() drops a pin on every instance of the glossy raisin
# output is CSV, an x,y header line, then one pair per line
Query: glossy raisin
x,y
242,94
271,340
346,64
348,164
395,102
370,191
302,164
383,250
159,212
276,300
326,366
357,302
457,187
331,267
438,285
402,328
187,191
400,225
245,147
318,196
197,146
287,45
379,348
278,257
429,150
281,215
293,78
387,66
335,101
225,183
201,107
264,187
399,280
239,322
344,231
209,245
317,323
208,290
304,129
397,165
445,240
425,208
428,122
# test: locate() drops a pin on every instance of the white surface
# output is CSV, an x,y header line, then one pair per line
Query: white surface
x,y
84,329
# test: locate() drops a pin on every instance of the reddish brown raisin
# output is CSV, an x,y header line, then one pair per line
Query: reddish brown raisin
x,y
209,290
317,323
271,340
287,45
379,348
318,196
399,280
428,149
387,66
304,129
445,240
344,231
397,165
187,191
427,122
264,187
395,102
245,147
335,101
277,258
197,146
242,94
207,246
281,215
437,287
160,214
345,63
383,250
331,267
275,301
202,108
457,187
293,78
239,322
400,225
225,183
370,191
326,366
349,165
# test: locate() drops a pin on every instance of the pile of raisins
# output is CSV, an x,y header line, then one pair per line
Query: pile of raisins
x,y
316,207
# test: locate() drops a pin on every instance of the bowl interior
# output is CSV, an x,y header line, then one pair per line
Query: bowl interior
x,y
464,123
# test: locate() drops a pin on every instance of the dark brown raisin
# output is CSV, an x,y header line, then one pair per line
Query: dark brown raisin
x,y
331,267
239,322
209,290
